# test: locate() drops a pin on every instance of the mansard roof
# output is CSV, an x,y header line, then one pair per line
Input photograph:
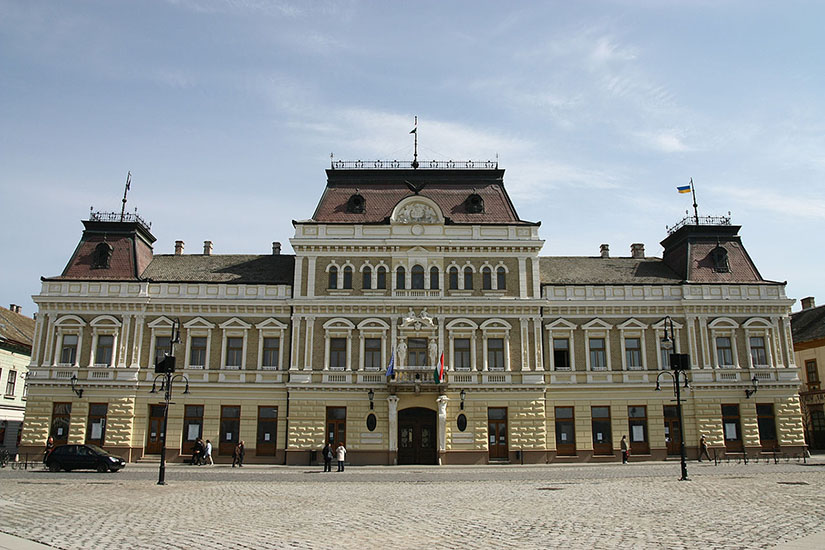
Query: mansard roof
x,y
222,268
572,270
382,189
808,324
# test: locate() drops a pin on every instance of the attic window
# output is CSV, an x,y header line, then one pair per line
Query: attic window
x,y
102,256
474,204
356,204
719,256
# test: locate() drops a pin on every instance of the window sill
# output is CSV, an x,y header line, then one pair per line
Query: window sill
x,y
269,367
231,367
375,292
9,396
339,291
459,292
195,367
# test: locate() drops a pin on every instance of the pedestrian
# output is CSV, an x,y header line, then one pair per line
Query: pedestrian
x,y
208,453
326,452
625,452
237,455
197,452
49,448
341,453
703,448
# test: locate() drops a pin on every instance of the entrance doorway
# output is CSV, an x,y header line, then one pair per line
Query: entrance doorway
x,y
154,439
417,436
497,430
673,433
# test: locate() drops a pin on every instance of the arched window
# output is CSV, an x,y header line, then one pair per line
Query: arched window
x,y
434,278
400,279
333,277
501,278
719,256
417,275
486,278
102,256
468,278
366,278
381,281
453,278
348,277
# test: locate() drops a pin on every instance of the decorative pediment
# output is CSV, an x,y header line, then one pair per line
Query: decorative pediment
x,y
461,324
235,323
561,324
597,324
161,322
757,322
339,323
373,324
198,322
723,323
70,320
632,324
105,321
417,210
495,324
272,324
661,325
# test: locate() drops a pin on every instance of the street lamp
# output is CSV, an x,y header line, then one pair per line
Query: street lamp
x,y
463,394
165,369
75,389
371,395
679,363
755,384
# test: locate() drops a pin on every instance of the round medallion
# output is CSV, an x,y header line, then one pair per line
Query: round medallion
x,y
417,229
461,422
371,422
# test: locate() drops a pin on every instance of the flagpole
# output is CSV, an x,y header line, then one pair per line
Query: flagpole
x,y
695,206
415,151
123,208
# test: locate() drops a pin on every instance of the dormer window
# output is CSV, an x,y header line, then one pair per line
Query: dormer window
x,y
102,257
474,204
356,204
719,257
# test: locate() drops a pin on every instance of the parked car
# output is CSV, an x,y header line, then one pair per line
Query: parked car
x,y
83,457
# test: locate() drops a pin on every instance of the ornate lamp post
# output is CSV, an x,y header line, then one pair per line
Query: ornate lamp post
x,y
166,374
679,363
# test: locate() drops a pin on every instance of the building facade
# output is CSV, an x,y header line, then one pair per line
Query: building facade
x,y
809,346
16,331
545,358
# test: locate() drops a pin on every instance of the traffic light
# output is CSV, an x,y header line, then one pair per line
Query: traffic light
x,y
167,364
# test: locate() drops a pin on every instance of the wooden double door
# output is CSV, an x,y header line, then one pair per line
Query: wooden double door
x,y
417,436
157,430
497,433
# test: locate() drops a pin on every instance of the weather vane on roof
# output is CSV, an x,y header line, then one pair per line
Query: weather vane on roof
x,y
415,151
128,185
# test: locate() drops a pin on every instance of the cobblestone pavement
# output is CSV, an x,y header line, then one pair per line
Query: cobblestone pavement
x,y
641,505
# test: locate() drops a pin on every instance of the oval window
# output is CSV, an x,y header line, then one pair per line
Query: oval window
x,y
371,422
461,422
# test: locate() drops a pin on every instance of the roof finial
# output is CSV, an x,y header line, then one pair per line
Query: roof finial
x,y
128,185
415,151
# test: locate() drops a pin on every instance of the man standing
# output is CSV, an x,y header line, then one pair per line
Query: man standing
x,y
341,454
237,456
624,449
703,448
326,452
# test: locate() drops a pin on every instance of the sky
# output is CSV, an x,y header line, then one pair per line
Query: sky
x,y
226,113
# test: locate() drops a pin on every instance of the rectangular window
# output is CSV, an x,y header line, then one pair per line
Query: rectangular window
x,y
336,425
267,431
602,437
366,278
468,278
732,428
348,277
461,353
192,427
61,415
724,351
812,375
381,279
416,352
664,356
96,428
271,353
501,278
759,354
163,347
486,279
337,353
234,352
633,353
105,346
767,426
598,358
197,351
565,432
372,353
453,278
495,353
561,353
68,349
230,429
11,382
637,424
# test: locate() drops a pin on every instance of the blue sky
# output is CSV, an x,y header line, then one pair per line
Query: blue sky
x,y
226,112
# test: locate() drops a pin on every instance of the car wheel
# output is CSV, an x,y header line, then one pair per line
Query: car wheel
x,y
54,467
102,468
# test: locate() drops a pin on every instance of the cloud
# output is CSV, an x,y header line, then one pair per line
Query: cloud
x,y
795,206
666,141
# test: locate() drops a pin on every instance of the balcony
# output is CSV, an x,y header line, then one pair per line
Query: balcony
x,y
415,377
418,293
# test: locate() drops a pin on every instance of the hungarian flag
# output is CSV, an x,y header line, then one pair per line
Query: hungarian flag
x,y
438,374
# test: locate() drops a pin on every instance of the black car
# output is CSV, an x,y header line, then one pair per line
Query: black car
x,y
83,457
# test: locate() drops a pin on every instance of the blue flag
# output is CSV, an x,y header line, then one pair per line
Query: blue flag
x,y
391,366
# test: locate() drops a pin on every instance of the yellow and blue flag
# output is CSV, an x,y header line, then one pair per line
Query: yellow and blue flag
x,y
683,189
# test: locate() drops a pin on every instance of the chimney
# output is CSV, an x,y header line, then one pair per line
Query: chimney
x,y
178,248
207,248
604,250
276,248
637,250
14,308
808,303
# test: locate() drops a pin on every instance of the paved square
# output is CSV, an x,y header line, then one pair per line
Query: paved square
x,y
577,506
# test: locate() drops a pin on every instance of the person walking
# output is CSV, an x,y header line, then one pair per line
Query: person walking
x,y
341,454
625,452
326,452
208,453
49,448
703,448
237,456
197,452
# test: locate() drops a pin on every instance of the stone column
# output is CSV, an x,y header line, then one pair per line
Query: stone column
x,y
442,425
392,402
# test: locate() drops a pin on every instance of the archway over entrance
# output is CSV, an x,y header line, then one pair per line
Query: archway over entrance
x,y
417,441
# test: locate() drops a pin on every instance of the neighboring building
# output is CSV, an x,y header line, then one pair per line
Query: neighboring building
x,y
546,358
16,333
809,346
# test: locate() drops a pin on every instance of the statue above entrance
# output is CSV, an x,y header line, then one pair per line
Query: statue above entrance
x,y
422,321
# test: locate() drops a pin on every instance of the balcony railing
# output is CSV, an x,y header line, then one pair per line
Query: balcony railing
x,y
703,220
416,293
408,165
414,375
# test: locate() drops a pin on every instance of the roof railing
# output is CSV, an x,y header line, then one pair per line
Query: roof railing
x,y
118,217
414,165
702,220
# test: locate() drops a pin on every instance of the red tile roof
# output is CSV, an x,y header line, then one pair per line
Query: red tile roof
x,y
701,269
